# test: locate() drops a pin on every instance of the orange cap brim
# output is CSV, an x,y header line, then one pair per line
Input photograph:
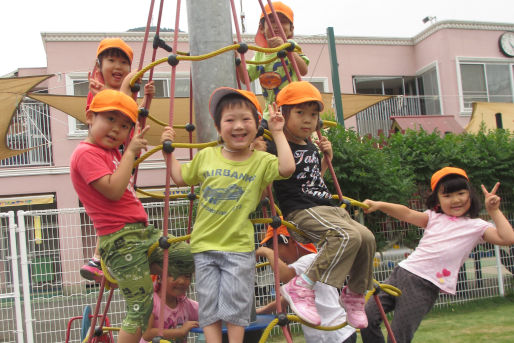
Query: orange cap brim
x,y
438,175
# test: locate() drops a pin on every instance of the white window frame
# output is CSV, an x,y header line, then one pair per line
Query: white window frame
x,y
429,67
473,60
73,133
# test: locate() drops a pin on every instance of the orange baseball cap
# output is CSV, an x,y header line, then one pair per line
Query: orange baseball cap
x,y
299,92
111,100
282,230
438,175
219,93
279,7
115,43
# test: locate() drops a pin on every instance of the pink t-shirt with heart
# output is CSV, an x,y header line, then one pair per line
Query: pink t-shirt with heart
x,y
445,245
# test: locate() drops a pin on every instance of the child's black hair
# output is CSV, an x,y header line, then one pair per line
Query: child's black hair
x,y
454,183
234,100
111,52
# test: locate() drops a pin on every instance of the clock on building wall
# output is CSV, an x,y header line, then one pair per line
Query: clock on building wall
x,y
506,42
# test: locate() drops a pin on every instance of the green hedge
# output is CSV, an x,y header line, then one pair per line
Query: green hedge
x,y
398,168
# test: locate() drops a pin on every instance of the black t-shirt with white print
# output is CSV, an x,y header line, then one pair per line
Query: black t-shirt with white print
x,y
305,188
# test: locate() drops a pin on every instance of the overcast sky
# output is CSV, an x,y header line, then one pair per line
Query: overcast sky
x,y
22,21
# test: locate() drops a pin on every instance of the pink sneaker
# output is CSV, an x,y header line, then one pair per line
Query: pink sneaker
x,y
353,303
92,270
301,299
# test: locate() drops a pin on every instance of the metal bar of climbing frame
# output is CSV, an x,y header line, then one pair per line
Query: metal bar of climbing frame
x,y
141,61
384,317
165,259
239,40
336,87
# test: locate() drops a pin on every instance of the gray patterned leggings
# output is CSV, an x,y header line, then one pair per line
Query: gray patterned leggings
x,y
418,297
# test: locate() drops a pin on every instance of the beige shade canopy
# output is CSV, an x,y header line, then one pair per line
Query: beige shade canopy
x,y
486,112
12,91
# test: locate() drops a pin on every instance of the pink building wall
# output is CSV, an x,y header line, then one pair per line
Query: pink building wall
x,y
441,44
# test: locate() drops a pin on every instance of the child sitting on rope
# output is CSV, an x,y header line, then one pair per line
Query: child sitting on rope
x,y
112,67
102,178
272,76
180,312
452,228
232,178
294,258
345,246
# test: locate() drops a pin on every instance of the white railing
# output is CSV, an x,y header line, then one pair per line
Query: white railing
x,y
30,129
55,243
376,119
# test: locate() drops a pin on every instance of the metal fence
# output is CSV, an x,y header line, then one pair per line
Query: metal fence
x,y
30,129
41,289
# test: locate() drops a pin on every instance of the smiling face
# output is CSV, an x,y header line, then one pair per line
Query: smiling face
x,y
287,26
455,204
114,68
237,126
301,122
108,129
178,287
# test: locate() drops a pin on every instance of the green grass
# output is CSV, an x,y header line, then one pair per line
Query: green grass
x,y
489,320
480,321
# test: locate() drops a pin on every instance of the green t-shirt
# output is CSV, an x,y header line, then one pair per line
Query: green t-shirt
x,y
256,70
229,192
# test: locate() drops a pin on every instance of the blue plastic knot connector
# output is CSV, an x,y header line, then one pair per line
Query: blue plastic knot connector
x,y
291,47
191,196
238,61
190,127
167,147
157,339
243,48
260,131
282,54
265,202
282,319
135,88
275,222
173,60
320,124
163,242
143,112
346,202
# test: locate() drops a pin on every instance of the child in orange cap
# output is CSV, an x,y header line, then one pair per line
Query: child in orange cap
x,y
232,179
452,229
346,248
102,178
272,76
112,67
294,259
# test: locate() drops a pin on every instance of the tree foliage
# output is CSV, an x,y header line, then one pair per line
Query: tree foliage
x,y
398,168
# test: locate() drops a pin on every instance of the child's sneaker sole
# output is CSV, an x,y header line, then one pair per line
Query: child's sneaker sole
x,y
90,273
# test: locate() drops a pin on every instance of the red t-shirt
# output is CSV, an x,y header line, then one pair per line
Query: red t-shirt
x,y
90,162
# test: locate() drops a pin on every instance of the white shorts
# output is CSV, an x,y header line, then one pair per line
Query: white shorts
x,y
225,286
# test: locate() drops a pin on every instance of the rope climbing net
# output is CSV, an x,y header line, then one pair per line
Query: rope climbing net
x,y
278,53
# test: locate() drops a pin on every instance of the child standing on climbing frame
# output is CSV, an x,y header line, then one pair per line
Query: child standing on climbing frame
x,y
272,76
345,246
451,230
232,178
112,67
102,178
